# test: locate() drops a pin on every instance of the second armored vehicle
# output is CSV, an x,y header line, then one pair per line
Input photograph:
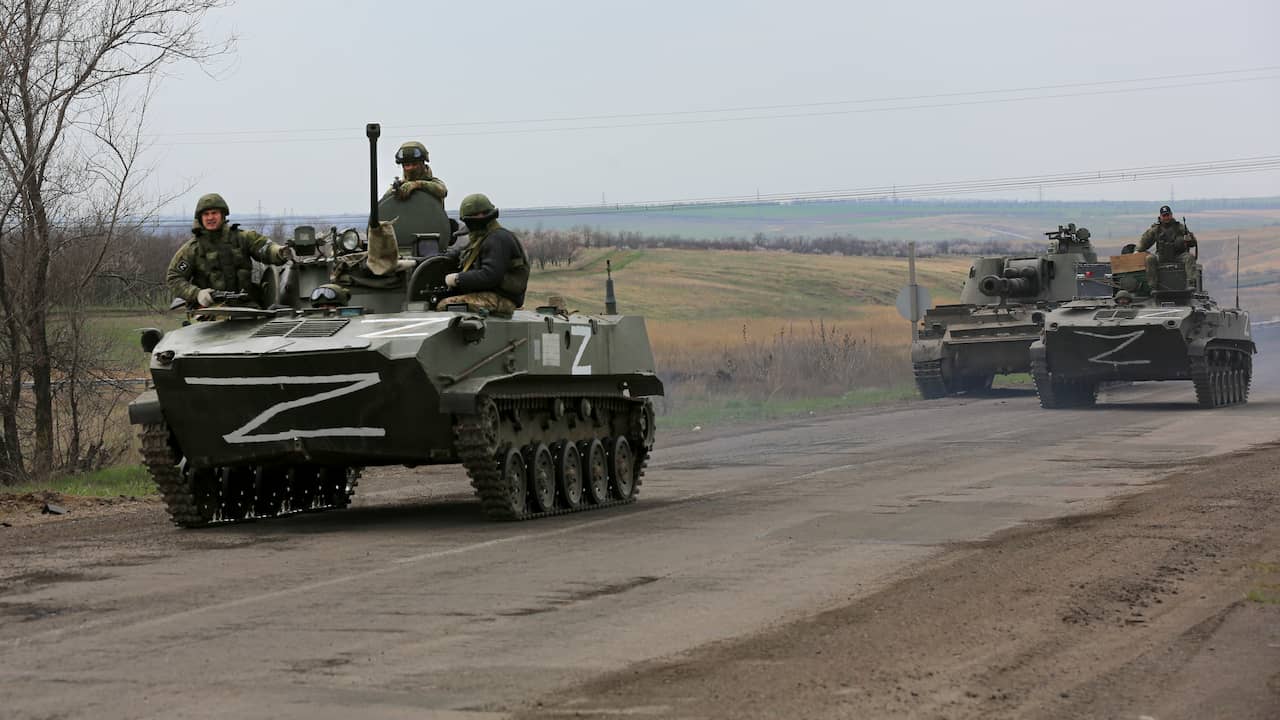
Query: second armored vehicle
x,y
962,347
1128,331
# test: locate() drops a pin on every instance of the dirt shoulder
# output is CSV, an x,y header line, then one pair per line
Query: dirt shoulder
x,y
1166,606
46,506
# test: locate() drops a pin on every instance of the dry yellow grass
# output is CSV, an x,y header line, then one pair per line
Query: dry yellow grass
x,y
725,285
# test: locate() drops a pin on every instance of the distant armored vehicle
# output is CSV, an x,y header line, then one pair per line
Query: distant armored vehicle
x,y
1124,330
962,347
263,412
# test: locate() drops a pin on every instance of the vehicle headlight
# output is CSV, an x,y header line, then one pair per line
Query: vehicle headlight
x,y
349,240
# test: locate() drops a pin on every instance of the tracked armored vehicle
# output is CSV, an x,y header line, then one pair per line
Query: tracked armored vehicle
x,y
962,347
257,413
1121,329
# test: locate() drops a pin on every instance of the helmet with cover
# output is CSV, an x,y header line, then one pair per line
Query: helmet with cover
x,y
412,151
211,201
477,206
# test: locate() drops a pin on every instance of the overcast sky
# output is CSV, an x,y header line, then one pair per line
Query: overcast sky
x,y
281,121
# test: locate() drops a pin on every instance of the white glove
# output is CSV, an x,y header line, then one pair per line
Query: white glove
x,y
205,297
451,280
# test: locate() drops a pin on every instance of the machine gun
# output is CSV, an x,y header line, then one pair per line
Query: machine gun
x,y
1067,235
220,297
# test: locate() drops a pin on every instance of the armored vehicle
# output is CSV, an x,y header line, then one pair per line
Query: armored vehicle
x,y
962,347
1123,329
260,412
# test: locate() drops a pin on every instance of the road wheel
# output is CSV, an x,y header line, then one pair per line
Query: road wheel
x,y
569,474
622,468
597,477
515,486
542,478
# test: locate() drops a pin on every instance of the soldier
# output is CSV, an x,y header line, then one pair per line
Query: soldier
x,y
1173,243
218,257
412,158
493,267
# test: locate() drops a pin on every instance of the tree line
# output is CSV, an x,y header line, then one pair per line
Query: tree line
x,y
75,80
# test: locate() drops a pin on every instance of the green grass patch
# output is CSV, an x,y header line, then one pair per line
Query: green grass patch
x,y
1015,380
1266,583
128,480
1264,596
729,410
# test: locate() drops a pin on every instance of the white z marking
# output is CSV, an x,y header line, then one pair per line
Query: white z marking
x,y
402,329
1131,337
578,367
357,382
1160,314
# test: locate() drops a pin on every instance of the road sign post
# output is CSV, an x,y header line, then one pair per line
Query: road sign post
x,y
912,300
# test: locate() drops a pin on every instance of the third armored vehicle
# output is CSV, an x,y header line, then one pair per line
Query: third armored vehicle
x,y
962,347
1125,330
259,412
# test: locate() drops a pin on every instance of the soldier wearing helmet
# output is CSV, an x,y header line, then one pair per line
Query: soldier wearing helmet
x,y
1173,243
493,269
412,158
219,256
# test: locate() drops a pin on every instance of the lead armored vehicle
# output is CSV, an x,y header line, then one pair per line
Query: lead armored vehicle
x,y
260,412
962,347
1122,329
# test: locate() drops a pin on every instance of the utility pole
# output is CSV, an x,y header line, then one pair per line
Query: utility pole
x,y
911,283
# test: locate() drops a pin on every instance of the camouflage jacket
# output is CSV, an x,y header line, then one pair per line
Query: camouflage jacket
x,y
492,260
220,260
1170,241
430,183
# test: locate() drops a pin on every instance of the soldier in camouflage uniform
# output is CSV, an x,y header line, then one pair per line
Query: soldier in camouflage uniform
x,y
1173,243
493,267
218,257
412,158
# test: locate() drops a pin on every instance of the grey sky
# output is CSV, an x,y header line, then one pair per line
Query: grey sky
x,y
304,67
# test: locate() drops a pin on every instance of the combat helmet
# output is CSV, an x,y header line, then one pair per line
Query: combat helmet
x,y
410,152
477,206
211,201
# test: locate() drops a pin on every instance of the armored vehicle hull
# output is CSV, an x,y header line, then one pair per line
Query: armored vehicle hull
x,y
966,346
258,414
961,348
1180,334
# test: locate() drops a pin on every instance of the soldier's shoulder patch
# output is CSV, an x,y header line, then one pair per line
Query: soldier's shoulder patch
x,y
182,266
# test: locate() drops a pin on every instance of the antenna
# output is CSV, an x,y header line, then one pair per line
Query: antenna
x,y
372,131
1237,272
610,302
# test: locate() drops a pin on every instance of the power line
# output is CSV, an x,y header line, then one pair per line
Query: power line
x,y
914,103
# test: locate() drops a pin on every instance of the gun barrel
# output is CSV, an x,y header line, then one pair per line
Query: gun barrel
x,y
997,286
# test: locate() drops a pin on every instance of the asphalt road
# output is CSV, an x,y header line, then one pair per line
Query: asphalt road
x,y
410,604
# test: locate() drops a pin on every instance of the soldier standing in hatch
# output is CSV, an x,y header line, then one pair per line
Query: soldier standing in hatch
x,y
1173,243
493,267
412,158
219,256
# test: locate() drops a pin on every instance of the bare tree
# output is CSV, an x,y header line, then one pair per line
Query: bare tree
x,y
76,76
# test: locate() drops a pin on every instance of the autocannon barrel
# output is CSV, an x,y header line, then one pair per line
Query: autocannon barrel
x,y
995,285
